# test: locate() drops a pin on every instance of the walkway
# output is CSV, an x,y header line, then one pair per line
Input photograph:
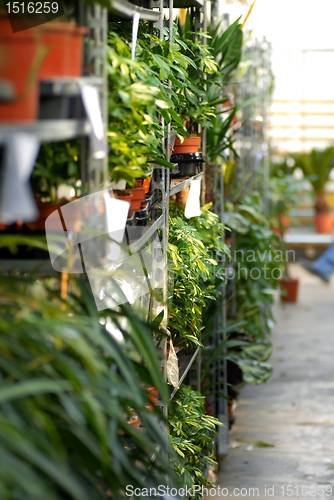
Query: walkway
x,y
294,410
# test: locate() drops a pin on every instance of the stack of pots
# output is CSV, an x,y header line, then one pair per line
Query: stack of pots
x,y
135,196
49,51
187,156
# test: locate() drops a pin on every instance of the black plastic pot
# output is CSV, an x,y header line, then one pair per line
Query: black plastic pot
x,y
189,163
61,108
141,218
60,100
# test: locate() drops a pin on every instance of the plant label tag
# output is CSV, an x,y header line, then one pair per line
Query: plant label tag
x,y
17,199
91,102
193,204
135,26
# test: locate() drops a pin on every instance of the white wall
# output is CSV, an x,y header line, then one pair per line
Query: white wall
x,y
302,36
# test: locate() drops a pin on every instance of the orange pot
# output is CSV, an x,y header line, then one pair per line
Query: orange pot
x,y
145,183
291,286
138,192
189,145
152,393
135,420
46,209
18,53
285,223
65,49
57,37
127,195
76,51
324,223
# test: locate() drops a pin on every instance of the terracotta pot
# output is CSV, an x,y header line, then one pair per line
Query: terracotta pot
x,y
76,51
127,195
135,421
291,286
65,49
189,145
145,183
324,222
57,37
19,56
285,223
138,193
153,395
46,209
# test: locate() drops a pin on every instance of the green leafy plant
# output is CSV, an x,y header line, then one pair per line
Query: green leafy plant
x,y
135,98
56,164
68,390
185,63
197,257
240,347
226,47
257,265
317,166
195,108
259,260
191,433
283,194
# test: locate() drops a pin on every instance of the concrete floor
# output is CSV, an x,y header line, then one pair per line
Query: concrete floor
x,y
294,410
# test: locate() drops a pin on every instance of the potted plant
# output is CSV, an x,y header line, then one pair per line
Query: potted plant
x,y
194,107
283,195
317,166
135,97
56,172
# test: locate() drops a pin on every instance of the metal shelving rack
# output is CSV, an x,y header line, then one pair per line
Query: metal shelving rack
x,y
49,130
96,171
161,181
252,140
252,146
